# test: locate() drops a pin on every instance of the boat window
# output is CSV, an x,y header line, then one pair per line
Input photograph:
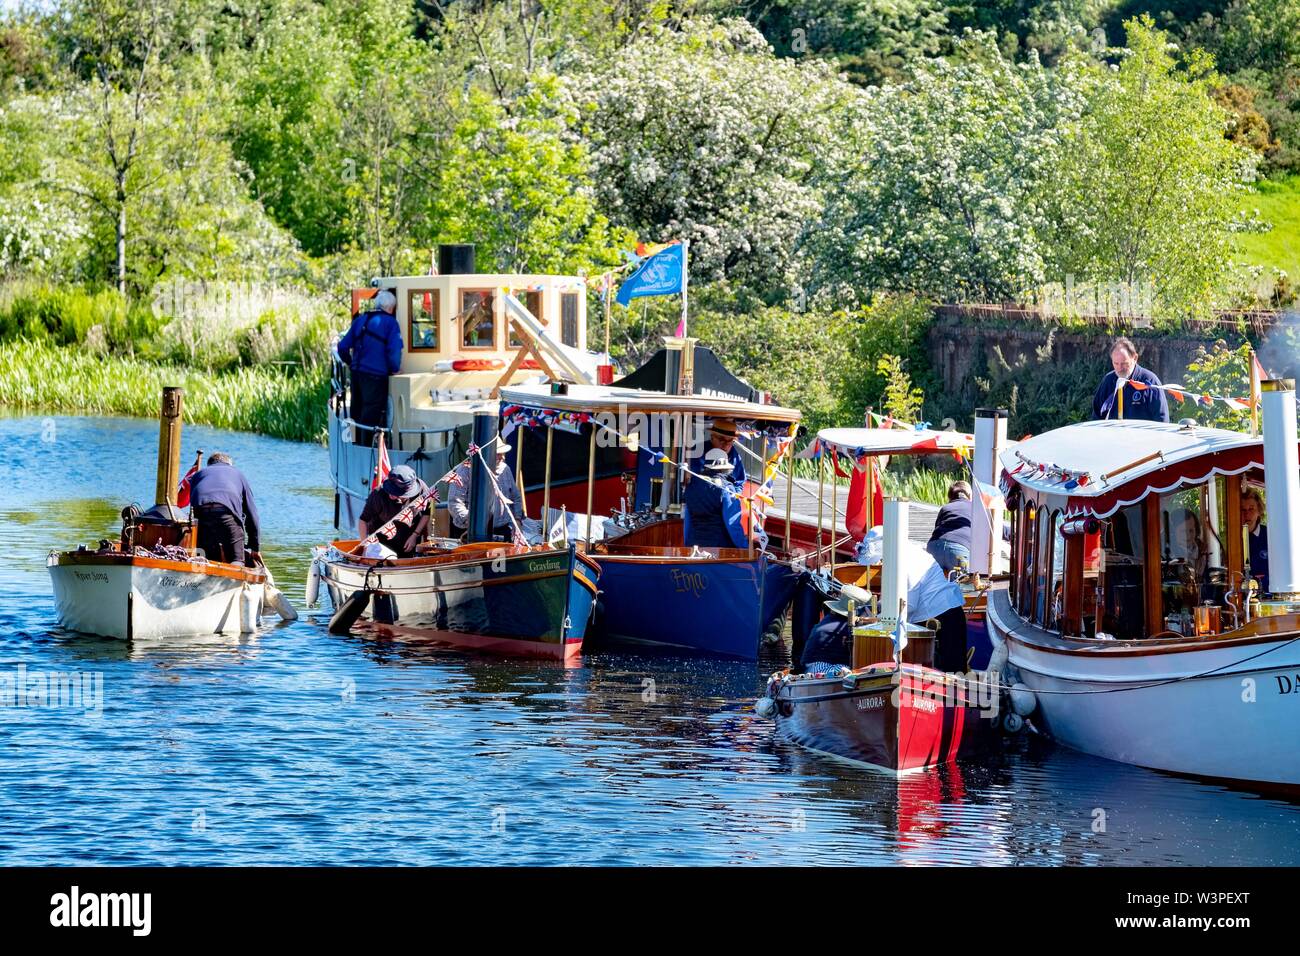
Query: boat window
x,y
1013,587
477,318
569,318
1029,527
532,300
422,310
1190,568
1056,575
1043,568
1120,572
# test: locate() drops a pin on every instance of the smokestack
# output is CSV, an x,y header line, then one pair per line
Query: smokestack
x,y
481,495
893,582
1282,486
456,259
990,437
169,445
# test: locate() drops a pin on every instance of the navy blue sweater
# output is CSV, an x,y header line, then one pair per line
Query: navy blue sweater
x,y
373,344
225,485
1147,404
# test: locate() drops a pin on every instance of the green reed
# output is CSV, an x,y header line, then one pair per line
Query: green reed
x,y
269,400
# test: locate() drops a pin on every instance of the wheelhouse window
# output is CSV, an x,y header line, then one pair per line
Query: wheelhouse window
x,y
569,318
1123,600
423,306
477,319
1043,569
1028,538
1191,553
532,300
1056,574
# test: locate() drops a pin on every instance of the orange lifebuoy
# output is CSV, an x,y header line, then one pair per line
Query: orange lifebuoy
x,y
477,365
530,363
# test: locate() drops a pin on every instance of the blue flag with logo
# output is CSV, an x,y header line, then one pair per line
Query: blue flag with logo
x,y
661,274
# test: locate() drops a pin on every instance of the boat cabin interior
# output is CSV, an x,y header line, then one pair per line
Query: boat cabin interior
x,y
1172,563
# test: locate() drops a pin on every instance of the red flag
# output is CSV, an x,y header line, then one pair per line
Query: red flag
x,y
855,512
381,465
183,492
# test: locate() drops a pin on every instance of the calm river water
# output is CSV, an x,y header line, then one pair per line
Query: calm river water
x,y
295,747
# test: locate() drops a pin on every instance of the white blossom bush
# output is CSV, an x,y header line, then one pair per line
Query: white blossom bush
x,y
943,197
703,133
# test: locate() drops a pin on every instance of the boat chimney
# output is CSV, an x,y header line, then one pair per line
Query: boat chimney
x,y
480,483
456,259
893,580
169,446
990,437
1282,486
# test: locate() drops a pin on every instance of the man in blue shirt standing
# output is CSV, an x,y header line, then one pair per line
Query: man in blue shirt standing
x,y
223,502
372,348
1146,404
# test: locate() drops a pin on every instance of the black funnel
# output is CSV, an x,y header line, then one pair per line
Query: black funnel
x,y
455,259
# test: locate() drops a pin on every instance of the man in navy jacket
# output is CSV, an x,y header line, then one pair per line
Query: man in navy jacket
x,y
223,502
372,348
1148,404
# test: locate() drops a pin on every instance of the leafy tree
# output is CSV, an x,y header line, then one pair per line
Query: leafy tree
x,y
519,186
1219,370
704,134
943,198
1146,187
900,400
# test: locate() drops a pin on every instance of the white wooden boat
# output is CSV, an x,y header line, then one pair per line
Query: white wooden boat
x,y
151,582
1141,643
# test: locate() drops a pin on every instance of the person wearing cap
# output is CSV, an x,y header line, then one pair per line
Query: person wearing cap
x,y
223,504
458,497
1145,404
930,596
704,499
949,543
383,504
372,349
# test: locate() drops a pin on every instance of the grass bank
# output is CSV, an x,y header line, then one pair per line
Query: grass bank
x,y
1278,202
42,376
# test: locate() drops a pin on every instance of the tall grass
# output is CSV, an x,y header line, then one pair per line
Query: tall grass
x,y
38,375
929,485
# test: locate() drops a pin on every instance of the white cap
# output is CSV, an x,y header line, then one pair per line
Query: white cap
x,y
715,459
386,301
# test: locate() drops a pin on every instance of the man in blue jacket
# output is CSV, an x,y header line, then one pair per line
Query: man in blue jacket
x,y
223,502
705,511
1147,404
372,348
949,545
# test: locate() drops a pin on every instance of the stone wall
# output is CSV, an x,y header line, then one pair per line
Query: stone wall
x,y
963,337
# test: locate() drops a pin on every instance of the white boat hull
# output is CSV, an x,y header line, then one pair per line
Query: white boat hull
x,y
1229,712
129,601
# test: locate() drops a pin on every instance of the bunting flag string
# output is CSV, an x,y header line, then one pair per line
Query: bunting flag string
x,y
1043,471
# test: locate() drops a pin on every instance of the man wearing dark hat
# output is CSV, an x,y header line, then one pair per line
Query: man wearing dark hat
x,y
396,492
722,435
458,497
706,523
223,503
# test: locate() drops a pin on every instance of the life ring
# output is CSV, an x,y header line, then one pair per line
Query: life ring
x,y
477,365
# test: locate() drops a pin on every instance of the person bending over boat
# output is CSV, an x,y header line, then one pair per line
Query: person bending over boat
x,y
458,497
930,595
383,504
372,348
1252,516
706,512
223,502
1146,404
949,544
